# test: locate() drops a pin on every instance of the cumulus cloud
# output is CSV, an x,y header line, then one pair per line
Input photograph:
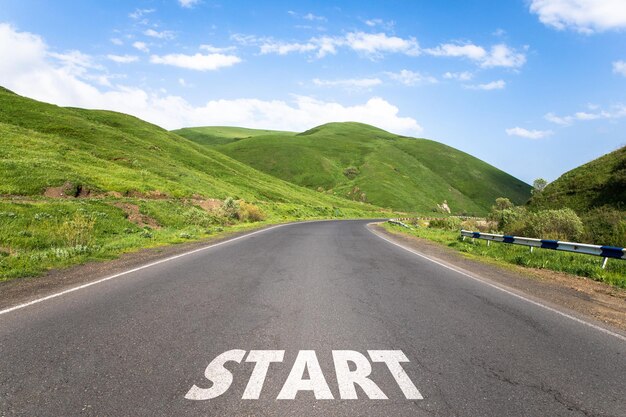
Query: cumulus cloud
x,y
619,67
493,85
528,134
616,111
499,55
123,59
411,78
584,16
351,83
198,62
141,46
165,34
33,73
216,50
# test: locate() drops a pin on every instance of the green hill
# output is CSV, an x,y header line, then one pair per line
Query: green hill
x,y
601,182
97,152
219,135
78,185
365,163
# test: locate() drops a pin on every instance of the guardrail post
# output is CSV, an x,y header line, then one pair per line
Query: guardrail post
x,y
489,243
531,249
604,262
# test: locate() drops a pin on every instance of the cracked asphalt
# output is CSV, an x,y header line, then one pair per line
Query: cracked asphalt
x,y
136,344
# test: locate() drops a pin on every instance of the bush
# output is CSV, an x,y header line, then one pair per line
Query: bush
x,y
561,224
448,223
605,226
230,208
250,212
508,218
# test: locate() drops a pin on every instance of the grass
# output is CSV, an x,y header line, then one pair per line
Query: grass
x,y
507,255
598,183
364,163
113,161
220,135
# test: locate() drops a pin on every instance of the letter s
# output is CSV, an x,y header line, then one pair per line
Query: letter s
x,y
221,377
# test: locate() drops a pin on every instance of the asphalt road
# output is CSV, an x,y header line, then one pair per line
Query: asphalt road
x,y
136,345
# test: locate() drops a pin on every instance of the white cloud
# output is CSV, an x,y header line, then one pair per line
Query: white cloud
x,y
376,44
619,67
216,50
616,111
493,85
141,46
460,76
351,83
380,22
198,62
32,72
311,17
188,3
470,51
411,78
139,13
584,16
499,55
503,56
165,34
528,134
373,45
284,48
123,59
117,41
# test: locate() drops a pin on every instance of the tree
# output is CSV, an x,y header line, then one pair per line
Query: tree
x,y
538,185
502,204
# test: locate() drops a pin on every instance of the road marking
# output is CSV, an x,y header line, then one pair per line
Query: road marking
x,y
306,359
171,258
521,297
220,378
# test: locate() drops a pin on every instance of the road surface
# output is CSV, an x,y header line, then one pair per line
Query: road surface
x,y
331,296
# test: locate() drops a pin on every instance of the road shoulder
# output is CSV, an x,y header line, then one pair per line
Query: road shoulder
x,y
591,299
23,290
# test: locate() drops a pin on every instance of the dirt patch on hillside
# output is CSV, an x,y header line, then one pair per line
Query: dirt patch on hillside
x,y
68,190
150,195
134,215
209,205
582,296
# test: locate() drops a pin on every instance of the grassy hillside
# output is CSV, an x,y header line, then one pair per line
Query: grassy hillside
x,y
81,184
365,163
601,182
219,135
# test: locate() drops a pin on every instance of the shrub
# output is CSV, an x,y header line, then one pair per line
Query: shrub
x,y
605,226
230,208
351,172
561,224
448,223
250,212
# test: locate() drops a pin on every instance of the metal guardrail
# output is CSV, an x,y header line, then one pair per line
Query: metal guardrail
x,y
399,223
596,250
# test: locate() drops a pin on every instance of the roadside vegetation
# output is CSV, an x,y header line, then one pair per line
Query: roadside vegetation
x,y
604,226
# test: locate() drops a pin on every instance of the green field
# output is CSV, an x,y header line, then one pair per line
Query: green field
x,y
83,184
364,163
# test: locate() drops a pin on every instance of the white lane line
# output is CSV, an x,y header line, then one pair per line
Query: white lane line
x,y
521,297
171,258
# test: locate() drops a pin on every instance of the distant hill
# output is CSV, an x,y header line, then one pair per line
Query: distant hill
x,y
362,162
601,182
44,147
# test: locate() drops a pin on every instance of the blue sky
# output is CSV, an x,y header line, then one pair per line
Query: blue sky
x,y
534,87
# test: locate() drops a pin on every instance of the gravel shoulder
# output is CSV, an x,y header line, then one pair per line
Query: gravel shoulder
x,y
582,296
